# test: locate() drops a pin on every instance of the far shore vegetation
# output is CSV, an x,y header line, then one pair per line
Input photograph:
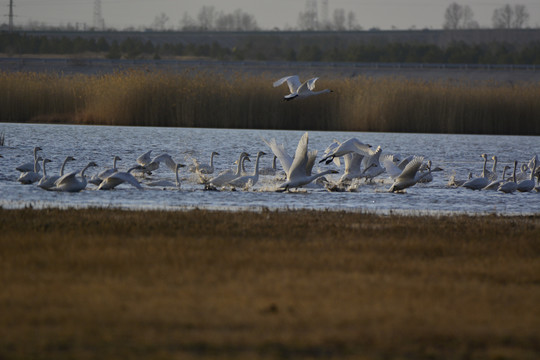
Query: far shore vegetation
x,y
112,284
198,98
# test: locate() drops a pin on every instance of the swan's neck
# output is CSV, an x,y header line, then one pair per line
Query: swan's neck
x,y
239,166
274,163
44,171
212,160
514,173
318,175
256,172
484,168
494,170
36,161
532,172
114,162
176,176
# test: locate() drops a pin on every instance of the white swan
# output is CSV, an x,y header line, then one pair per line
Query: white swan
x,y
30,166
371,164
203,168
248,180
97,179
120,177
47,182
353,167
494,185
70,183
348,146
299,90
228,175
510,186
167,183
480,182
410,176
45,179
298,172
31,177
458,182
528,185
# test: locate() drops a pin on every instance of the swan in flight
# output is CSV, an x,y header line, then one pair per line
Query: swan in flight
x,y
480,182
410,176
30,166
299,90
31,177
47,181
70,183
97,179
298,173
348,146
167,183
372,165
120,177
510,186
203,168
528,185
247,180
227,175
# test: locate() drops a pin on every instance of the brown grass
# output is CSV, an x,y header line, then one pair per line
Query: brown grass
x,y
203,99
110,284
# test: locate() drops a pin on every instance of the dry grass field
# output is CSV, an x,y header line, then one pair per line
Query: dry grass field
x,y
195,98
111,284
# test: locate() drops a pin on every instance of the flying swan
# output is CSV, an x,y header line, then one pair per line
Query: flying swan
x,y
299,90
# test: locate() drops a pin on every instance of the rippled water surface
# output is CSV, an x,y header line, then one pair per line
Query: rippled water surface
x,y
457,154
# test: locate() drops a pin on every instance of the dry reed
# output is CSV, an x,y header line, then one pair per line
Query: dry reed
x,y
107,284
206,99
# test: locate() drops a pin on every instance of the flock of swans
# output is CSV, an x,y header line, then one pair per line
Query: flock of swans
x,y
352,159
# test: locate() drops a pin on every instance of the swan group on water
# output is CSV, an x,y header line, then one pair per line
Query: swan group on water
x,y
345,165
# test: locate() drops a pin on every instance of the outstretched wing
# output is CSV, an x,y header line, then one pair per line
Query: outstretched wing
x,y
144,159
412,168
125,177
311,83
279,150
292,81
298,167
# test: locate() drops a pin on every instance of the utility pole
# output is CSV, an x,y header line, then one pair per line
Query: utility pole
x,y
10,16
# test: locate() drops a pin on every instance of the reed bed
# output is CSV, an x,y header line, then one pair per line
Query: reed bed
x,y
111,284
205,99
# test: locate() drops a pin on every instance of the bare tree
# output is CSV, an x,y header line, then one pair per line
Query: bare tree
x,y
521,16
459,17
502,17
339,19
206,17
160,22
188,23
352,24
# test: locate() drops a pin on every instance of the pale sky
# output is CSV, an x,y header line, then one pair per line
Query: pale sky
x,y
384,14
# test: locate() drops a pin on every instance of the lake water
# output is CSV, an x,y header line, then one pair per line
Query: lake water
x,y
457,154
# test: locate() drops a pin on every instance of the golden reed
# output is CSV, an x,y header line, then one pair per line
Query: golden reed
x,y
205,99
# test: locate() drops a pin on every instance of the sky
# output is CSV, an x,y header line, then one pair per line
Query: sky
x,y
269,14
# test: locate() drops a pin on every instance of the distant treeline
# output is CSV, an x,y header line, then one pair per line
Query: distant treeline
x,y
137,47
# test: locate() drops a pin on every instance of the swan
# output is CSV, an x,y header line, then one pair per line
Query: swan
x,y
410,176
299,90
528,185
269,170
44,179
523,175
298,175
510,186
30,166
47,182
120,177
203,168
353,167
97,179
455,182
70,183
167,183
348,146
371,164
247,180
480,182
494,185
31,177
286,160
228,175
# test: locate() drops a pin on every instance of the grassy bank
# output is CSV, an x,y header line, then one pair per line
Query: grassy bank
x,y
200,99
111,284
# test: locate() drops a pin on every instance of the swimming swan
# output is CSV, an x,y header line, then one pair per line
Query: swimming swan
x,y
120,177
70,183
97,179
298,175
203,168
47,181
528,185
31,177
247,180
299,90
228,175
480,182
167,183
510,186
494,185
29,166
